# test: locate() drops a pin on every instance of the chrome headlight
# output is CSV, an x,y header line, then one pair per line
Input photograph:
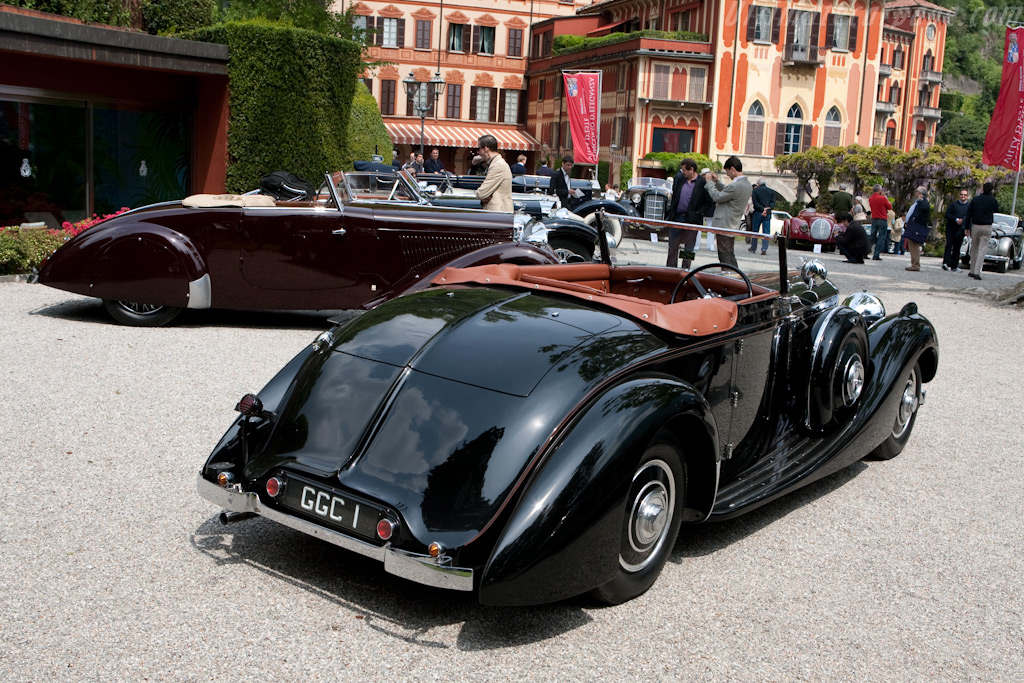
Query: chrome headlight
x,y
635,197
868,305
535,233
561,213
520,219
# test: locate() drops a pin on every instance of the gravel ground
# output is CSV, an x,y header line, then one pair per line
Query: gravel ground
x,y
114,569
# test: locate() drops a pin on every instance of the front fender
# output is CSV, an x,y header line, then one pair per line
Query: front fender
x,y
563,537
608,205
567,227
900,340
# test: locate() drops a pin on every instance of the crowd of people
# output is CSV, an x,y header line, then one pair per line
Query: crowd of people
x,y
702,198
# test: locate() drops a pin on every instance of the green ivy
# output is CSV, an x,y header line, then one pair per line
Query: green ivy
x,y
670,161
625,174
291,97
165,17
567,44
113,12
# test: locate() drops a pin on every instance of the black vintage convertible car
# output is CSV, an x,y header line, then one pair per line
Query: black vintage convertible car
x,y
536,432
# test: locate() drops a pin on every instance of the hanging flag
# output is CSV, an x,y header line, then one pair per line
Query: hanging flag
x,y
583,101
1003,139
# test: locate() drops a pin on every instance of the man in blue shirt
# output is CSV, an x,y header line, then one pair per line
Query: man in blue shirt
x,y
678,210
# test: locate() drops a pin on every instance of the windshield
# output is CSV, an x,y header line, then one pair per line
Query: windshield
x,y
1002,220
648,182
398,186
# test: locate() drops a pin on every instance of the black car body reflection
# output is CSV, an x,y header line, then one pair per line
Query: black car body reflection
x,y
536,432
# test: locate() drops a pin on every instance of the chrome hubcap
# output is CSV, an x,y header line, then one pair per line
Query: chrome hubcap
x,y
650,514
567,256
853,381
908,406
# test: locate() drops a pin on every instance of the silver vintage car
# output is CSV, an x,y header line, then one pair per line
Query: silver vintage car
x,y
1005,246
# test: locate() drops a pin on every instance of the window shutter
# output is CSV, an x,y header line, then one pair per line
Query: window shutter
x,y
472,102
401,33
476,40
853,33
493,113
815,28
408,104
776,24
369,28
791,28
751,20
501,105
830,32
780,138
380,31
521,115
806,142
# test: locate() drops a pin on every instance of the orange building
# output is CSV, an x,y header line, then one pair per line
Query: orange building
x,y
751,78
478,49
913,43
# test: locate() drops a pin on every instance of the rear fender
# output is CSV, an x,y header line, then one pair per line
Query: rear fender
x,y
563,537
143,262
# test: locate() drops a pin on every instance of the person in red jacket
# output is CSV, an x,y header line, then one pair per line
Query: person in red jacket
x,y
880,208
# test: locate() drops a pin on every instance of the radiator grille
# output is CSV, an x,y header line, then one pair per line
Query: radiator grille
x,y
426,253
654,206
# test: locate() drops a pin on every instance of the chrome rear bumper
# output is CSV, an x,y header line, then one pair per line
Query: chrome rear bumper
x,y
412,566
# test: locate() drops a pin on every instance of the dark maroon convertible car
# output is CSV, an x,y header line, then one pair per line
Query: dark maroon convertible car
x,y
364,238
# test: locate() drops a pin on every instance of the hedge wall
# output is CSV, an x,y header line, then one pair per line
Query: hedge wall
x,y
291,95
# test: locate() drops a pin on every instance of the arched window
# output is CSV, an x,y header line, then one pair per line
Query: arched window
x,y
894,93
928,62
833,127
794,130
890,134
755,130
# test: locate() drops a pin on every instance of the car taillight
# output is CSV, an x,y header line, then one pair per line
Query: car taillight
x,y
386,528
250,405
274,486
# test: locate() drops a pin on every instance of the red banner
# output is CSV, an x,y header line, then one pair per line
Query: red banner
x,y
1003,139
583,96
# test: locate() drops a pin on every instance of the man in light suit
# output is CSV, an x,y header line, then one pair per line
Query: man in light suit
x,y
495,193
730,204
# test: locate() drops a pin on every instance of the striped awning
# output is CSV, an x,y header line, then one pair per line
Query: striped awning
x,y
461,135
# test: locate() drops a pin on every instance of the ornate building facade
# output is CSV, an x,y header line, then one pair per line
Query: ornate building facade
x,y
480,51
754,78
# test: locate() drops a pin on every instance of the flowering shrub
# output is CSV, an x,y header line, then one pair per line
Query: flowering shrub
x,y
22,250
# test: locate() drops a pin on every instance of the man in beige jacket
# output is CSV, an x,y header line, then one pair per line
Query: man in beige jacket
x,y
495,193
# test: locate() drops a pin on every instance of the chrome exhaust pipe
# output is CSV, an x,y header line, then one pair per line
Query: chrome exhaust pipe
x,y
228,517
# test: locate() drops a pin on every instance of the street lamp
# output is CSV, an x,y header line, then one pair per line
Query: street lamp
x,y
421,97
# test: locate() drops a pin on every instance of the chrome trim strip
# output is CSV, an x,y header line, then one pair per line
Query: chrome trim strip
x,y
425,569
419,568
200,292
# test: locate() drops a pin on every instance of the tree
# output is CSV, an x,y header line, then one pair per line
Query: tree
x,y
312,15
817,163
963,131
367,134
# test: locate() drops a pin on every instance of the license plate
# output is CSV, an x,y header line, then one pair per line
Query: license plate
x,y
333,509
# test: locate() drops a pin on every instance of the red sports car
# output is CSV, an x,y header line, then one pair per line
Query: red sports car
x,y
810,227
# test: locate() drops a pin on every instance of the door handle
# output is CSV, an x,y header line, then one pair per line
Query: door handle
x,y
340,232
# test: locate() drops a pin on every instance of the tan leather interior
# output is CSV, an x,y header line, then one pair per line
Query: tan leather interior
x,y
207,201
642,292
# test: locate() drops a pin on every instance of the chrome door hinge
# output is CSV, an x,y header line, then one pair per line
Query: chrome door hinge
x,y
734,399
728,450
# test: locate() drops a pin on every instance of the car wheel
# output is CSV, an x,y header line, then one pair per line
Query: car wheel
x,y
651,520
966,260
140,315
906,415
790,243
571,250
1002,266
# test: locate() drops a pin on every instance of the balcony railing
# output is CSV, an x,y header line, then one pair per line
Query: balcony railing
x,y
885,107
884,70
931,76
801,54
928,112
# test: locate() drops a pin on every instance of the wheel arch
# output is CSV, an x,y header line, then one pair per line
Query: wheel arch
x,y
562,537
